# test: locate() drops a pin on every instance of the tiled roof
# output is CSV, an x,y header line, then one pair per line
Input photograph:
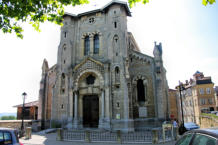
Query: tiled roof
x,y
29,104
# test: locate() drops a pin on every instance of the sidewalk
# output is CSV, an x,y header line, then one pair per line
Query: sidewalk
x,y
50,139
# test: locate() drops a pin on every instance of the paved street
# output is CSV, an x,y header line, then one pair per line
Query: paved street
x,y
50,139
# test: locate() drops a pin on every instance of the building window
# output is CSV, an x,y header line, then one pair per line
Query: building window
x,y
117,74
116,38
118,104
141,90
208,90
63,79
87,45
91,20
201,91
65,34
96,44
115,24
210,101
90,80
64,47
202,101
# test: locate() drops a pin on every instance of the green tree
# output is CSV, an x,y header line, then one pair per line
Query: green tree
x,y
14,12
8,117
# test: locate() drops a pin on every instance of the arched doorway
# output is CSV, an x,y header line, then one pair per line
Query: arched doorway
x,y
90,111
140,90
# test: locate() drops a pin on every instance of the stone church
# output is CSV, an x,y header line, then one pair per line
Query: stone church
x,y
101,79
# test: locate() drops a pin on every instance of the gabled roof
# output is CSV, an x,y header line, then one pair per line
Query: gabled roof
x,y
29,104
103,9
88,59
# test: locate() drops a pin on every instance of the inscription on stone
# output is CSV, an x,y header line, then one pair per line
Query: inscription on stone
x,y
143,112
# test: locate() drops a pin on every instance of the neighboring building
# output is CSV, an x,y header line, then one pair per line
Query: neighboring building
x,y
30,111
216,96
173,104
101,78
197,97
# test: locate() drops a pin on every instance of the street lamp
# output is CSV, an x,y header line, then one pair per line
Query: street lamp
x,y
182,128
22,116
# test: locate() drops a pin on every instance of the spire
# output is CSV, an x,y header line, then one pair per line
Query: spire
x,y
157,49
45,67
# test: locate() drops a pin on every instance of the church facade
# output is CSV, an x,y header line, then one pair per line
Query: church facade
x,y
101,79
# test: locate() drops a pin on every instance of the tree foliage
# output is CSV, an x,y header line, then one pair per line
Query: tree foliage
x,y
205,2
8,117
14,12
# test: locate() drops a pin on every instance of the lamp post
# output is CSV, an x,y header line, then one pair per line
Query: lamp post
x,y
182,128
22,116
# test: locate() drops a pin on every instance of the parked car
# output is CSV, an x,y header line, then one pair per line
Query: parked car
x,y
9,136
191,125
214,112
199,137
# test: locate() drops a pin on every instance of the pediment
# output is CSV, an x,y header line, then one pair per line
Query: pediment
x,y
89,63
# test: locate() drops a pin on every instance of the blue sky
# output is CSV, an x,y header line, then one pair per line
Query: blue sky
x,y
187,29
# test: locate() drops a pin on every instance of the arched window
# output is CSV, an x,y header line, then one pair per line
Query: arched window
x,y
116,38
62,79
115,24
117,74
140,90
87,46
96,44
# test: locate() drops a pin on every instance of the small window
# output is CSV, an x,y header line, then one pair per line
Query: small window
x,y
96,44
116,38
65,34
117,74
203,140
210,101
202,101
62,106
201,91
87,45
90,80
208,91
115,24
64,47
115,12
64,61
91,20
63,76
118,105
63,91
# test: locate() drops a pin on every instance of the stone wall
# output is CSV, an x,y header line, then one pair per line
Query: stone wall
x,y
207,122
15,123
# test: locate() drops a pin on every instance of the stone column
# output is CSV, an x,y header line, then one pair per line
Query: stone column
x,y
70,110
101,120
102,104
91,39
75,121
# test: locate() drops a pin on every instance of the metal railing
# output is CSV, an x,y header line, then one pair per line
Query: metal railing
x,y
147,136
